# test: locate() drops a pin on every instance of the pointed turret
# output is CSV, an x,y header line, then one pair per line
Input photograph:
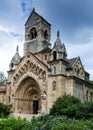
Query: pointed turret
x,y
15,60
58,44
59,50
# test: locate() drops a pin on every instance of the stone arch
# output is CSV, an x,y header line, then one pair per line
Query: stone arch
x,y
28,96
33,33
44,75
40,73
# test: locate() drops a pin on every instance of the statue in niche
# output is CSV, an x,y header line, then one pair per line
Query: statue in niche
x,y
54,85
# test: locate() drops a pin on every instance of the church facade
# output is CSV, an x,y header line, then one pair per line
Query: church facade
x,y
43,74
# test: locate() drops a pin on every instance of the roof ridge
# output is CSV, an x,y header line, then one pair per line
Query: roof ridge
x,y
33,11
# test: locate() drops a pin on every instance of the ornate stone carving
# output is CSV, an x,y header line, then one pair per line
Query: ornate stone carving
x,y
54,85
30,67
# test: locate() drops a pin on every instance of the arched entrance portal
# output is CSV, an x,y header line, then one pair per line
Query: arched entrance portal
x,y
28,97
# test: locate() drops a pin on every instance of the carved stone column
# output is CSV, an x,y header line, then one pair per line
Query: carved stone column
x,y
43,103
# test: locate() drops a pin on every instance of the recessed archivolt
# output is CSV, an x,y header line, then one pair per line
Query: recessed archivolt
x,y
30,67
31,93
27,87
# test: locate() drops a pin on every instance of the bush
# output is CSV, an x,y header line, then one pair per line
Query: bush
x,y
72,107
46,122
85,111
4,110
66,105
13,124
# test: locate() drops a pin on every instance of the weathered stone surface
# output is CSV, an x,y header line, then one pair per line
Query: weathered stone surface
x,y
43,75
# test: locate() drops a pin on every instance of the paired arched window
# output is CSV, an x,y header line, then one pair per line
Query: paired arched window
x,y
33,33
54,55
45,34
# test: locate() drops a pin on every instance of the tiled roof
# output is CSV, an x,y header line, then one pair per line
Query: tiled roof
x,y
46,50
71,62
2,89
37,15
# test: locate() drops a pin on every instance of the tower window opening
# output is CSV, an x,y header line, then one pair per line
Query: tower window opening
x,y
54,55
45,34
33,33
12,65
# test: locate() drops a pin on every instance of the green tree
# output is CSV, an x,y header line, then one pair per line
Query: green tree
x,y
2,77
4,110
66,105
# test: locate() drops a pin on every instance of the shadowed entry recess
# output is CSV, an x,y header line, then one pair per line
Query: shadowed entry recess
x,y
35,106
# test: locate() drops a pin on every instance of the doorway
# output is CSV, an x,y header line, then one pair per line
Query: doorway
x,y
35,106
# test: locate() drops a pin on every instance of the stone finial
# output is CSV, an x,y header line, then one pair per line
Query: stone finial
x,y
17,48
34,9
58,33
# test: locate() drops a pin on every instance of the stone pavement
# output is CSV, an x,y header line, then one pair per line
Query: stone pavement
x,y
24,116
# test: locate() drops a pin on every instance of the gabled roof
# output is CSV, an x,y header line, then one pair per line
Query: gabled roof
x,y
46,50
37,58
33,11
71,62
40,60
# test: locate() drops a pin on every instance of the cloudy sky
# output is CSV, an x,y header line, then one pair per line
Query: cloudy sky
x,y
74,19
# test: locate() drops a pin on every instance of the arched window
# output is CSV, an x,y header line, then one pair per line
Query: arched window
x,y
54,70
54,55
87,95
12,65
33,33
45,34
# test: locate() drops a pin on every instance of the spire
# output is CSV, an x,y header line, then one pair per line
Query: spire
x,y
58,43
17,48
33,9
15,60
58,33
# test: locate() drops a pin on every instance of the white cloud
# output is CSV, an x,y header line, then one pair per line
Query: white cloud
x,y
7,50
13,19
83,49
3,29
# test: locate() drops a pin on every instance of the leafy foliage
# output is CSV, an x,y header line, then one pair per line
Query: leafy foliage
x,y
12,124
46,122
66,105
4,110
2,77
72,107
68,113
85,111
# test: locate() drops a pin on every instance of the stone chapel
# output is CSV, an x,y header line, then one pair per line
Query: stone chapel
x,y
43,74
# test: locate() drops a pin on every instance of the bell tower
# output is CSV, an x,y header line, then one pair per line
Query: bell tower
x,y
37,33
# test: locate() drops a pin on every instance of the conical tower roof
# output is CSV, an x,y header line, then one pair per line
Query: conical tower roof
x,y
15,59
58,43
